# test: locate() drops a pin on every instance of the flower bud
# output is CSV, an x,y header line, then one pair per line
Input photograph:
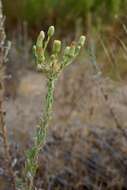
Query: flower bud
x,y
72,51
78,48
82,40
56,46
67,51
51,31
34,50
40,39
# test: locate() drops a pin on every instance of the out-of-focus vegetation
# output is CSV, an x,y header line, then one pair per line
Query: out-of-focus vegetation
x,y
63,13
88,129
101,20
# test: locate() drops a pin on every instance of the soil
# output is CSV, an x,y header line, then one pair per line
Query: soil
x,y
85,147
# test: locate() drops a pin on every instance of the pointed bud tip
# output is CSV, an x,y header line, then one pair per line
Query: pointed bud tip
x,y
67,50
56,46
40,38
82,40
34,47
72,51
51,31
42,34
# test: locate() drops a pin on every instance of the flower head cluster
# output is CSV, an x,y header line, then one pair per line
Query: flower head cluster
x,y
59,58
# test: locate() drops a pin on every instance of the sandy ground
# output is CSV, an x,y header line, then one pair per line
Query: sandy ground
x,y
78,99
83,137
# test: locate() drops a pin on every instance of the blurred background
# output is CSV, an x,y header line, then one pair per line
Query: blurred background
x,y
103,22
86,144
64,14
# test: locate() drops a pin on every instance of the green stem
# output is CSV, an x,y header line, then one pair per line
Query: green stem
x,y
40,137
42,130
46,43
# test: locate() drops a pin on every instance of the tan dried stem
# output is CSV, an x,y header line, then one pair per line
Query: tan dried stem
x,y
2,113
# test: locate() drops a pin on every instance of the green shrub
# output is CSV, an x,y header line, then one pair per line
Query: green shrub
x,y
38,12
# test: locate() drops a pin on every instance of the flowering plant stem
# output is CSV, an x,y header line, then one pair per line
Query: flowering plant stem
x,y
41,134
52,68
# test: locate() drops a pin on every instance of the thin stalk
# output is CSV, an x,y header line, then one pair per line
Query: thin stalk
x,y
6,147
40,137
46,43
3,55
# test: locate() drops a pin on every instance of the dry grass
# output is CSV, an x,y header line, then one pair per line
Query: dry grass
x,y
85,149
